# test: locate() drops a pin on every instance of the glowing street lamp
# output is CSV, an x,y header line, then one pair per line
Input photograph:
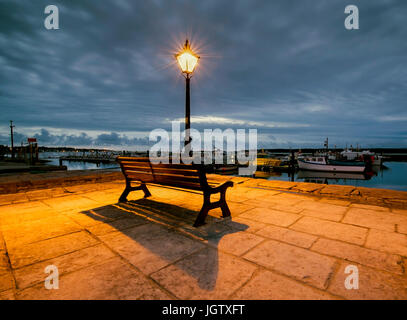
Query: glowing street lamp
x,y
187,61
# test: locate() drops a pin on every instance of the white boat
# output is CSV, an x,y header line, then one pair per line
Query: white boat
x,y
354,155
322,164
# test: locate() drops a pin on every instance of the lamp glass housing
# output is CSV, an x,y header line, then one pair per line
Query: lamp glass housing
x,y
187,59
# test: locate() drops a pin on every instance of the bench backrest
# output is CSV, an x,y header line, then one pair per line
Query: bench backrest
x,y
189,176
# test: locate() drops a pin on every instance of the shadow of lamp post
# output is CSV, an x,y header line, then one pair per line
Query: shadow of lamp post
x,y
187,61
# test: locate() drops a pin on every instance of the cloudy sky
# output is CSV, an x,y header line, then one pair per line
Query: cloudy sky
x,y
289,69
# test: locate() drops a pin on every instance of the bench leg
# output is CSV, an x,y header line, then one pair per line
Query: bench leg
x,y
123,197
128,189
146,191
223,205
200,220
207,205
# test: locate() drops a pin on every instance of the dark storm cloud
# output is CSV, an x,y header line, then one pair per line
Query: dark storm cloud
x,y
47,138
288,68
112,139
115,139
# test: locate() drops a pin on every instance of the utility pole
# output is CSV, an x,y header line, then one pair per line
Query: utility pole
x,y
12,139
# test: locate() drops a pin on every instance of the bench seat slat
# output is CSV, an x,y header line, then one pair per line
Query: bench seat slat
x,y
168,178
158,166
139,169
139,176
131,159
175,166
177,172
135,173
135,164
182,185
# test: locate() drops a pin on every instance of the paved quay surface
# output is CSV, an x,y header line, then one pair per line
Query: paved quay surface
x,y
11,167
24,182
281,243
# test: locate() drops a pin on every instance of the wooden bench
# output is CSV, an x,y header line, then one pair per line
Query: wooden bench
x,y
185,176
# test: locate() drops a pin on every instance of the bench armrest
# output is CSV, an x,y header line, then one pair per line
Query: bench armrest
x,y
223,186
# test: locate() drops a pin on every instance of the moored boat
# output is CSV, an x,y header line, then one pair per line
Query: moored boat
x,y
376,160
324,164
265,160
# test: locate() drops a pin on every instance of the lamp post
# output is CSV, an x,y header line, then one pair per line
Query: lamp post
x,y
187,61
12,139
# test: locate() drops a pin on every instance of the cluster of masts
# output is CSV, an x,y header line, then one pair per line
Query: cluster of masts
x,y
326,146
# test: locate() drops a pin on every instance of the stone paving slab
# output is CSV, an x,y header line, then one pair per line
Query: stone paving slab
x,y
20,217
247,225
373,285
299,239
333,230
13,198
75,203
33,231
307,187
47,249
236,243
387,241
207,274
270,216
340,191
401,228
306,266
2,243
381,220
7,295
322,210
35,273
267,285
278,244
399,211
121,224
91,283
275,204
289,198
372,258
6,277
45,194
21,208
369,207
335,202
153,247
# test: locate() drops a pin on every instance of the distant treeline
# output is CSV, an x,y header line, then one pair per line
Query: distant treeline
x,y
68,149
5,149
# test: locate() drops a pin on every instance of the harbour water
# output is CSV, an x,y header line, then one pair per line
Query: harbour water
x,y
53,159
393,176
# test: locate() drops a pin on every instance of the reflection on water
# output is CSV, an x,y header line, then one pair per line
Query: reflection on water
x,y
324,177
75,165
53,159
392,176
